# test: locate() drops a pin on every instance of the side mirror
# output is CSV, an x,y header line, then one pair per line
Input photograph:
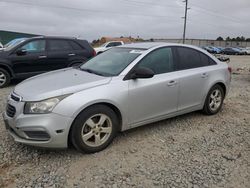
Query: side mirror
x,y
142,72
21,52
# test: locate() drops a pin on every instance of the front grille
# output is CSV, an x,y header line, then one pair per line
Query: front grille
x,y
10,110
15,97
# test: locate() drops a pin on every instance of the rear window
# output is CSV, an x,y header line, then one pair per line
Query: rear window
x,y
191,58
75,46
204,59
59,45
188,58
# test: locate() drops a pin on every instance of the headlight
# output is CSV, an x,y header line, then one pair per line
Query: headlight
x,y
42,107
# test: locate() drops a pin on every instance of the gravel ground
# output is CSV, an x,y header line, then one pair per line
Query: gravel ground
x,y
192,150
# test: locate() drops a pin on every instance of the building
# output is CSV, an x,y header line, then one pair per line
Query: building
x,y
6,36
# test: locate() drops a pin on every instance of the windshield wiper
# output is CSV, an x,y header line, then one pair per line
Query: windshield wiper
x,y
92,71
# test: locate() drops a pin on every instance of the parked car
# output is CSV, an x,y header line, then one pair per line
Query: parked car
x,y
24,58
248,50
120,89
233,51
244,50
220,48
215,50
208,49
106,46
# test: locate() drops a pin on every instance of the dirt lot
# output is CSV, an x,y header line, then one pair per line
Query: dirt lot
x,y
192,150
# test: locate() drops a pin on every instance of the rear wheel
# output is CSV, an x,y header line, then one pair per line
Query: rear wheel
x,y
4,78
94,129
214,100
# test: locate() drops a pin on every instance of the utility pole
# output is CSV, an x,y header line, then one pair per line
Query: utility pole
x,y
185,22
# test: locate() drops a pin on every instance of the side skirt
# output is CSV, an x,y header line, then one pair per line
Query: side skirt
x,y
160,118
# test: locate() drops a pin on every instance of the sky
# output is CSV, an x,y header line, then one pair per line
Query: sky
x,y
92,19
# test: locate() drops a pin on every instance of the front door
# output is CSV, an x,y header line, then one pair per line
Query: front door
x,y
32,60
154,97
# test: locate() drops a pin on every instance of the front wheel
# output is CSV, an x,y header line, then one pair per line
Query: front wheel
x,y
94,129
214,100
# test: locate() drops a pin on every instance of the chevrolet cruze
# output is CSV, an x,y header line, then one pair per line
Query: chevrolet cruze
x,y
125,87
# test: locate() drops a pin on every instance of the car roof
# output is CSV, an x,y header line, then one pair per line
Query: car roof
x,y
52,37
149,45
142,45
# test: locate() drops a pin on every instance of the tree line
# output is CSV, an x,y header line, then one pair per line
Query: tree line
x,y
233,39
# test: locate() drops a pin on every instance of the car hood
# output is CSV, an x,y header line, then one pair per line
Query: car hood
x,y
57,83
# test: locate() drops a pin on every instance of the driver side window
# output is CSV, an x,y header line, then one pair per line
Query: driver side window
x,y
34,46
159,61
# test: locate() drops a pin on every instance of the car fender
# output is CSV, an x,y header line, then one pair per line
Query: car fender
x,y
116,96
211,85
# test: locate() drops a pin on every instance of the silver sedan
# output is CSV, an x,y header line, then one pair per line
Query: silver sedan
x,y
123,88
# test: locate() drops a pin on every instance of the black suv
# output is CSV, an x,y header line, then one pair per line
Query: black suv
x,y
28,57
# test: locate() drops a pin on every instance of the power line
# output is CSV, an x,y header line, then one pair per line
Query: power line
x,y
151,4
214,13
86,10
197,8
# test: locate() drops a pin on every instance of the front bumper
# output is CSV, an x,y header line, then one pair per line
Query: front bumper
x,y
54,125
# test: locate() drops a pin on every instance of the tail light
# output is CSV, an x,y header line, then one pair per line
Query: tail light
x,y
94,53
230,69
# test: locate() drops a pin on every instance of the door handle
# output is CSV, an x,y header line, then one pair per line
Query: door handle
x,y
204,75
172,83
71,54
42,56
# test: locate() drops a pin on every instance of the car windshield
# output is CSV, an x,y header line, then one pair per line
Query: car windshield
x,y
111,62
103,45
13,43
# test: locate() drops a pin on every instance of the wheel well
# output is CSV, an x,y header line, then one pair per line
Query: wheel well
x,y
7,69
223,87
113,107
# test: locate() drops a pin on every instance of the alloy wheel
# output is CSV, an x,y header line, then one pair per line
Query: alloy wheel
x,y
96,130
215,100
3,78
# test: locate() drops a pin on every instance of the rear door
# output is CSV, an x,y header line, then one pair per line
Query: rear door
x,y
60,53
194,74
81,52
32,61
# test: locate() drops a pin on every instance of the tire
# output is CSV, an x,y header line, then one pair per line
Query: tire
x,y
213,102
90,124
4,78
